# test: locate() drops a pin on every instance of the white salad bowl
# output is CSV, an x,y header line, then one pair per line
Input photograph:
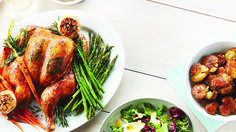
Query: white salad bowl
x,y
115,114
217,47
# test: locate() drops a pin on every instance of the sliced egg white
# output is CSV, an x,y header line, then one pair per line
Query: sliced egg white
x,y
153,119
133,126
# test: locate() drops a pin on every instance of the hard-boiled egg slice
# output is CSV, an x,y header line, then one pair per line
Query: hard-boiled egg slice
x,y
133,127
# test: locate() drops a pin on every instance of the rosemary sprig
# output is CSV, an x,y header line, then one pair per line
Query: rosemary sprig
x,y
55,29
60,114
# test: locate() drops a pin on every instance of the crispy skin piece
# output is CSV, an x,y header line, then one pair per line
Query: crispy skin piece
x,y
30,30
1,87
16,79
53,93
48,56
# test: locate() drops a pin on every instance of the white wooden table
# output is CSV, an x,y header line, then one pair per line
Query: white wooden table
x,y
156,35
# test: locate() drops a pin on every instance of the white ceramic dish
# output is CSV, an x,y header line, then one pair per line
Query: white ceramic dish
x,y
115,114
67,2
203,51
88,22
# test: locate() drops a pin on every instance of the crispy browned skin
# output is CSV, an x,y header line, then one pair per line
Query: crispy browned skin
x,y
48,56
30,30
16,79
53,93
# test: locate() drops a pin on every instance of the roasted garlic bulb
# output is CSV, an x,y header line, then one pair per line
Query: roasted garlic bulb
x,y
8,101
69,26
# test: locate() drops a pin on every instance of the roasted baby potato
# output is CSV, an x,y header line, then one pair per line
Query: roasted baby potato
x,y
211,62
220,80
226,90
230,68
211,107
221,58
224,110
198,72
228,100
199,91
230,54
221,70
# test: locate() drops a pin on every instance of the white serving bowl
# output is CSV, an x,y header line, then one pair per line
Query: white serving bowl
x,y
216,47
115,114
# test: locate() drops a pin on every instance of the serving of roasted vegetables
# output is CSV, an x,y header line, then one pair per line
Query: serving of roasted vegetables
x,y
214,79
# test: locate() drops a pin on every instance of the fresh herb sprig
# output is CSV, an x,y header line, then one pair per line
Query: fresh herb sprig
x,y
14,42
54,28
60,115
91,70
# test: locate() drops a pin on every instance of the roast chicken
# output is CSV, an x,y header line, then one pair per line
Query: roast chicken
x,y
48,59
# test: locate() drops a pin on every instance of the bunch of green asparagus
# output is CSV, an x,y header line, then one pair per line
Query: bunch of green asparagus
x,y
91,69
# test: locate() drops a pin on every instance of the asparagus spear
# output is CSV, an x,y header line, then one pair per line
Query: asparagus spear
x,y
107,72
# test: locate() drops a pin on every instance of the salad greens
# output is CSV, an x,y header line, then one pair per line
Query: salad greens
x,y
162,119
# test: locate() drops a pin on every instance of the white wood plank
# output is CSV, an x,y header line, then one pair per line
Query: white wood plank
x,y
219,8
93,125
